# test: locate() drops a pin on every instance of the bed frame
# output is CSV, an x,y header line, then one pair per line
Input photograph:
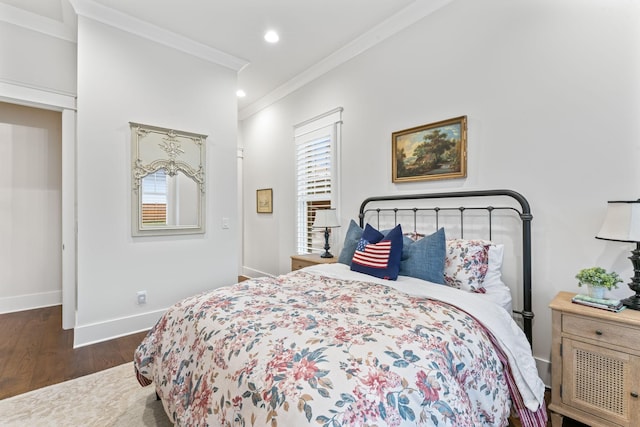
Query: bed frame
x,y
474,197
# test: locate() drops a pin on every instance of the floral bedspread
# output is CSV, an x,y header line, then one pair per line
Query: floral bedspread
x,y
303,349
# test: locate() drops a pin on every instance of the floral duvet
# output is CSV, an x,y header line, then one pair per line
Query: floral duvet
x,y
307,349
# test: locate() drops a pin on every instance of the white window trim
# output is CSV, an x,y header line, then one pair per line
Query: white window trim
x,y
331,120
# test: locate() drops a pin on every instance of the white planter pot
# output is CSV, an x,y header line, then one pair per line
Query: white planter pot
x,y
596,291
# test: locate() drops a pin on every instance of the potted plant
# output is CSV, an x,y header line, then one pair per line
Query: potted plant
x,y
597,280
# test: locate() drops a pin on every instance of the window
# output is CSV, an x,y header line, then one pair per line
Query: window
x,y
154,198
317,151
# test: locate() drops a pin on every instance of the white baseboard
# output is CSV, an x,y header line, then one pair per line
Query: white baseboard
x,y
102,331
30,301
544,371
252,272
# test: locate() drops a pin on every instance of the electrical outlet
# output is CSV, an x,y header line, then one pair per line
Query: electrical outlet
x,y
142,297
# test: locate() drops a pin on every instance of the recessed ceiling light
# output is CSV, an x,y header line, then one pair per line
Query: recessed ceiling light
x,y
271,36
241,94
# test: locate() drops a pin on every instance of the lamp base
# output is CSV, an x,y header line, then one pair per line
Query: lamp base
x,y
326,253
633,302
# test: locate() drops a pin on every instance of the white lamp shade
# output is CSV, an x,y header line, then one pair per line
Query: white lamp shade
x,y
326,218
622,222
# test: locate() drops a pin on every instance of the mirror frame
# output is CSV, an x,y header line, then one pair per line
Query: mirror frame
x,y
174,144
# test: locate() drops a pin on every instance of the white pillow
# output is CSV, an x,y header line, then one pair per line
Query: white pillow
x,y
493,285
493,278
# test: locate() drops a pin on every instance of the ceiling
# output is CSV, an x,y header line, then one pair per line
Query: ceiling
x,y
315,35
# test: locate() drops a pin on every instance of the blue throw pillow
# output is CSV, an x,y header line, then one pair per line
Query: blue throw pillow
x,y
354,233
372,235
378,255
424,258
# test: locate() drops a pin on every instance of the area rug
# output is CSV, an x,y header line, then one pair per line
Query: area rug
x,y
110,398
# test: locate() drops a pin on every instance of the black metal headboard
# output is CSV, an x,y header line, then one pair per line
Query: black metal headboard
x,y
524,213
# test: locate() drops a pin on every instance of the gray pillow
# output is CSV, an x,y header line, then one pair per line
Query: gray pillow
x,y
354,233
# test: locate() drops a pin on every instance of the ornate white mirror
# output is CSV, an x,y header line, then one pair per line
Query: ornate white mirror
x,y
168,180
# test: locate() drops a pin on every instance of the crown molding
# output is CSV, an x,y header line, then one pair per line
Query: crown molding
x,y
392,25
33,96
41,24
97,12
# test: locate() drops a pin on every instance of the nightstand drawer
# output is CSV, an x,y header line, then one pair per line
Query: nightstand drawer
x,y
306,260
595,329
297,264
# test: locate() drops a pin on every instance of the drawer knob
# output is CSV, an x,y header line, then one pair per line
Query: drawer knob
x,y
634,394
598,332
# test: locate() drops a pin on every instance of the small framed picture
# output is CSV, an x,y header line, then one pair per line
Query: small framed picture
x,y
434,151
264,200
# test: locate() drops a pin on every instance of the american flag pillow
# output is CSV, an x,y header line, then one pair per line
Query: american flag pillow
x,y
378,255
375,255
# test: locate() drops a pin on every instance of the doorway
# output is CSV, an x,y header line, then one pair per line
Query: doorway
x,y
59,228
30,207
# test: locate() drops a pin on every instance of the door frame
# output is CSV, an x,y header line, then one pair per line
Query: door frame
x,y
66,104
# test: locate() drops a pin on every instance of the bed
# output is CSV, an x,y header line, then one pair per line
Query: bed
x,y
428,335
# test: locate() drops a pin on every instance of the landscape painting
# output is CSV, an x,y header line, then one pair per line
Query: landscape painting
x,y
434,151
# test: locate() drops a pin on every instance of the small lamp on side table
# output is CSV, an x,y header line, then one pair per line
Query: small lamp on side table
x,y
326,218
622,224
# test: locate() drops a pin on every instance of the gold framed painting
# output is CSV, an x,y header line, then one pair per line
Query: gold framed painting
x,y
264,200
429,152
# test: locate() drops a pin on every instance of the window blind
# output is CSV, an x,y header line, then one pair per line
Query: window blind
x,y
154,198
316,176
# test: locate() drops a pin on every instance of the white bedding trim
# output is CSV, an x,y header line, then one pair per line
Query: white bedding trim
x,y
511,338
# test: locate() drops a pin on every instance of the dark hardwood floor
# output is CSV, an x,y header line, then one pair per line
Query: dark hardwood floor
x,y
35,352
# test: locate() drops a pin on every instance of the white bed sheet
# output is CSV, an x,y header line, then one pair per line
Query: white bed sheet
x,y
493,316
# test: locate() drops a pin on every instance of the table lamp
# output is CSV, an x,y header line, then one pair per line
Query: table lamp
x,y
622,224
326,218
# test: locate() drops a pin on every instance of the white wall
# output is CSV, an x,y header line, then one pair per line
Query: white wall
x,y
30,207
123,78
552,96
26,54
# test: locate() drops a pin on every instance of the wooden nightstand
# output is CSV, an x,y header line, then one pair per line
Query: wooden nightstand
x,y
595,364
306,260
